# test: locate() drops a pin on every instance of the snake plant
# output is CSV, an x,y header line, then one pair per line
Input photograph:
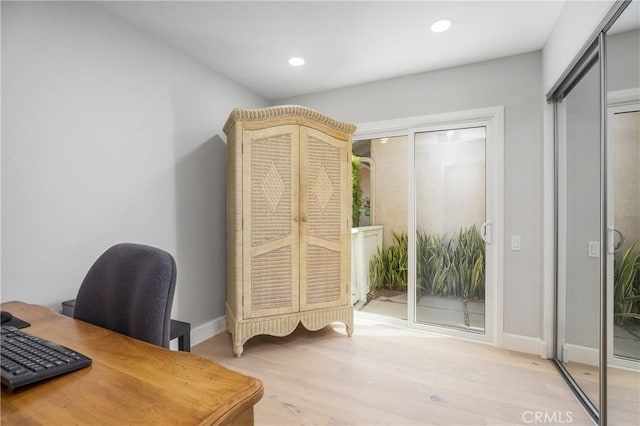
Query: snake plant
x,y
453,268
626,289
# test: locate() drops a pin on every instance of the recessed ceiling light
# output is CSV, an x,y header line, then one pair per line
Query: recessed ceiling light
x,y
296,62
441,25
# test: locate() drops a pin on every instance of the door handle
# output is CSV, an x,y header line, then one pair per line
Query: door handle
x,y
484,232
613,246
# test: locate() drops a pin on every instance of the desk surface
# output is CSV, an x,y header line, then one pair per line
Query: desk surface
x,y
129,381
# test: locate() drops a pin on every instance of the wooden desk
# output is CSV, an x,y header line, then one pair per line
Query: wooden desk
x,y
129,382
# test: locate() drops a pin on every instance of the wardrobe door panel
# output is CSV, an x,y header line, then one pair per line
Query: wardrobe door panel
x,y
270,221
325,188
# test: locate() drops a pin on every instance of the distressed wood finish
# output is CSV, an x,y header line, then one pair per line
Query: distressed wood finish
x,y
288,221
129,382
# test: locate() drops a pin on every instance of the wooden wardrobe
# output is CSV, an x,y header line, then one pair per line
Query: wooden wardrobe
x,y
288,222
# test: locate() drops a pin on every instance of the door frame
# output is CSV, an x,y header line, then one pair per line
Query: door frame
x,y
493,119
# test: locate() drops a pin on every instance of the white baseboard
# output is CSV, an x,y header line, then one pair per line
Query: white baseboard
x,y
513,342
526,344
580,354
207,330
203,332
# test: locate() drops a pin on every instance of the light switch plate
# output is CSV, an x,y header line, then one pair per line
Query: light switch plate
x,y
515,242
594,248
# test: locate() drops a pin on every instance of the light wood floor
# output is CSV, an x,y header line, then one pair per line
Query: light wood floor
x,y
623,392
385,375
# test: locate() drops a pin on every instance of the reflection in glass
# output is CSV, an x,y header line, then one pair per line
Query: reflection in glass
x,y
626,234
623,221
579,226
450,212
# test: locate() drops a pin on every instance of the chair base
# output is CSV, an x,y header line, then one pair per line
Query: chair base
x,y
178,329
181,331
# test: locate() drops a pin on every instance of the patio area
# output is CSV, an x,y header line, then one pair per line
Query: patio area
x,y
448,312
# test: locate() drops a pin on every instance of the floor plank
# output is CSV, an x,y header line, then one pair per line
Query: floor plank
x,y
393,376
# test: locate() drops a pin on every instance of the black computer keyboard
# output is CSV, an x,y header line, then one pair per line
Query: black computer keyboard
x,y
26,359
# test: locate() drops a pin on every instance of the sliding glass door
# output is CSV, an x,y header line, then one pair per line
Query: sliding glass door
x,y
455,233
438,203
450,206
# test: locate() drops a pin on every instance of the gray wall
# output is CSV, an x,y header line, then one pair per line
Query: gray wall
x,y
109,135
516,83
574,25
623,57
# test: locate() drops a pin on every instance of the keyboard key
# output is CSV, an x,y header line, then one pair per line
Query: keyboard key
x,y
26,359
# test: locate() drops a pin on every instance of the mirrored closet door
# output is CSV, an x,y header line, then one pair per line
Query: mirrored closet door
x,y
579,225
622,43
597,105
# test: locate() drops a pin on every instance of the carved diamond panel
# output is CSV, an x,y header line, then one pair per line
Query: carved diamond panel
x,y
323,188
273,187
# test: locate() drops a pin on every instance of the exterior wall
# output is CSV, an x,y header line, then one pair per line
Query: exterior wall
x,y
391,186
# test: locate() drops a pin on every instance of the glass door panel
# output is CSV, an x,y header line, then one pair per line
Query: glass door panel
x,y
379,244
450,205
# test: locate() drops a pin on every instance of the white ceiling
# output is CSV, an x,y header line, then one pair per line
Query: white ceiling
x,y
343,43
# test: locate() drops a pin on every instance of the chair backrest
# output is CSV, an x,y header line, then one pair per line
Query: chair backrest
x,y
129,289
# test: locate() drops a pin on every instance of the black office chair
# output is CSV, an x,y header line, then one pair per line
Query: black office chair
x,y
129,289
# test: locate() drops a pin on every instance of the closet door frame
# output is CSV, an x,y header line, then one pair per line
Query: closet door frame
x,y
595,47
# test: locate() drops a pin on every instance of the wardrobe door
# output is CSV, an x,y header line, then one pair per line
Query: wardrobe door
x,y
325,204
270,221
